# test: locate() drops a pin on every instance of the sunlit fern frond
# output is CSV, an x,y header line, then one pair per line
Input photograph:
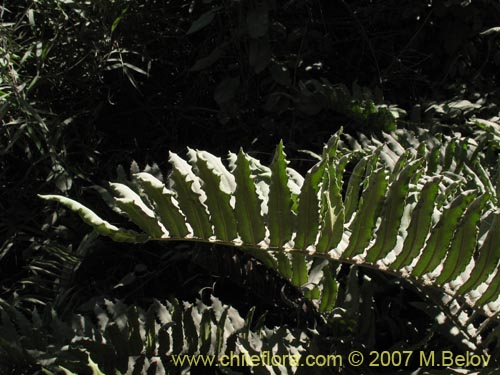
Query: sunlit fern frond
x,y
422,208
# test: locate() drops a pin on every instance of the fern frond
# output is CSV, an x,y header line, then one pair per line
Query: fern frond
x,y
119,339
416,208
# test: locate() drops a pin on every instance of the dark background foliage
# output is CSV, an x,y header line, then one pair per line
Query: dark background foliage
x,y
89,86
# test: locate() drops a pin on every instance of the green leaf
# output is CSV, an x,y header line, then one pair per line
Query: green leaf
x,y
487,261
268,259
393,213
165,204
280,219
421,219
492,292
143,216
177,329
101,226
299,270
191,330
332,211
449,154
441,235
94,367
203,21
117,20
190,197
251,225
308,210
330,289
284,265
220,339
365,219
464,242
218,198
353,188
150,332
205,329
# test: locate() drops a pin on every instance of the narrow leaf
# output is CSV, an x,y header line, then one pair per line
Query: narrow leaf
x,y
299,270
365,219
492,292
332,211
464,242
166,206
143,216
491,31
421,219
150,332
190,330
203,21
441,235
487,261
393,212
353,188
218,201
308,211
190,197
330,289
247,205
267,258
205,329
101,226
177,329
284,265
280,201
135,340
